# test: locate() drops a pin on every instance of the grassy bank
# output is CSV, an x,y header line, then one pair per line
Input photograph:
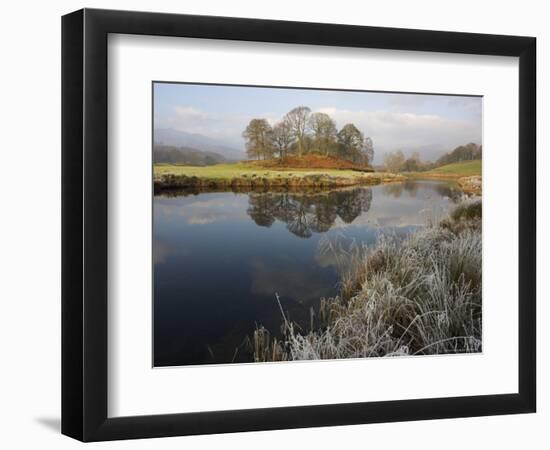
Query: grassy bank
x,y
311,161
466,174
451,171
263,175
418,296
239,175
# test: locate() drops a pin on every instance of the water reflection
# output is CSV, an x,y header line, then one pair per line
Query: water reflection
x,y
220,257
305,214
411,188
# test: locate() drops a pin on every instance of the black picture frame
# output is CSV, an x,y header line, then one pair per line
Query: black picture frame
x,y
84,224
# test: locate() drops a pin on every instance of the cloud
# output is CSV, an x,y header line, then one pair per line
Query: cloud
x,y
204,212
408,122
225,127
408,131
293,281
190,113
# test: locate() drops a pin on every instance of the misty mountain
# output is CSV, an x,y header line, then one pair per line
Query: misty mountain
x,y
169,154
177,138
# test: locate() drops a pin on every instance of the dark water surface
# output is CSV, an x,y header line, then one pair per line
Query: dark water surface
x,y
220,258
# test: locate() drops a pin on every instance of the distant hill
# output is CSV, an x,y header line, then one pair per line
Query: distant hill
x,y
463,168
461,153
168,154
435,153
177,138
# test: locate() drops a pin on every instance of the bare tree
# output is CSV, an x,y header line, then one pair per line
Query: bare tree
x,y
282,137
394,161
368,150
298,121
350,140
324,131
258,135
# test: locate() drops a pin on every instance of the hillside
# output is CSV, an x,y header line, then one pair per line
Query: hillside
x,y
164,154
450,171
463,169
178,138
461,153
310,161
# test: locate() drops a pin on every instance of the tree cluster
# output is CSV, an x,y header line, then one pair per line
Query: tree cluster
x,y
397,162
466,152
301,132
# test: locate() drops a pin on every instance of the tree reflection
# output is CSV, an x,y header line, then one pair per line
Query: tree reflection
x,y
308,213
393,189
396,189
260,209
411,187
448,190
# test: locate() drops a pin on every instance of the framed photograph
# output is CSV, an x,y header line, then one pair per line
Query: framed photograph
x,y
273,224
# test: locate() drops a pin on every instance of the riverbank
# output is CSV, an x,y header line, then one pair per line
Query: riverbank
x,y
419,296
452,171
247,175
466,174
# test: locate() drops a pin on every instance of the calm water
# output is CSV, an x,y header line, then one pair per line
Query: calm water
x,y
220,259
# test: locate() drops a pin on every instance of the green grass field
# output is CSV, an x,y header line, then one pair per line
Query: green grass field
x,y
236,170
245,174
461,169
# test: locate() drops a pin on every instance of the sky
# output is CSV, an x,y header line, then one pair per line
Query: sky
x,y
428,124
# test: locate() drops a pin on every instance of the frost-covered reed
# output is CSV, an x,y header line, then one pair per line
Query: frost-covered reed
x,y
415,296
